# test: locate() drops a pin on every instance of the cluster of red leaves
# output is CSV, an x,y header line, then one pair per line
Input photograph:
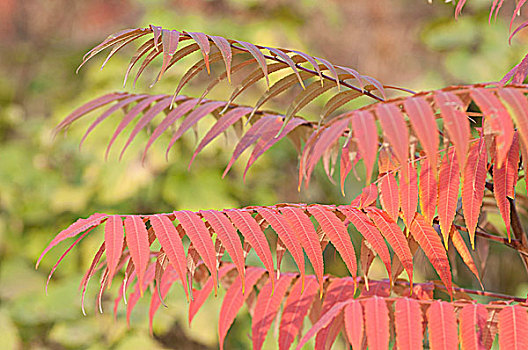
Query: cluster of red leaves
x,y
466,162
412,170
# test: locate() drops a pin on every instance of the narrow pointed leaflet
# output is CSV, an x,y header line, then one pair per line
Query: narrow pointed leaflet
x,y
229,237
253,234
504,181
473,185
286,234
394,235
408,321
354,324
513,323
463,251
431,244
201,295
377,323
266,308
324,321
339,290
366,135
73,230
424,124
172,245
396,133
138,245
472,319
428,190
169,39
442,326
337,232
114,238
389,195
408,193
371,234
306,234
448,185
455,122
234,299
199,235
295,309
499,120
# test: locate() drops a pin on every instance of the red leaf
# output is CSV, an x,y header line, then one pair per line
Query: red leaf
x,y
431,244
408,320
199,235
516,103
170,39
366,135
513,323
377,323
138,108
249,138
73,230
338,291
109,111
202,41
337,232
169,120
472,317
305,232
114,237
295,309
408,193
328,137
234,299
255,52
253,235
368,197
462,249
287,235
424,124
220,126
354,327
448,185
396,133
323,322
229,237
442,326
394,235
138,245
388,193
499,119
266,308
156,31
54,268
172,245
505,180
193,118
145,119
201,295
371,234
88,107
473,185
288,60
270,137
455,122
225,48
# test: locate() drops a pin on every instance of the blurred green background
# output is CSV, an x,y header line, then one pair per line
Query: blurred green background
x,y
46,183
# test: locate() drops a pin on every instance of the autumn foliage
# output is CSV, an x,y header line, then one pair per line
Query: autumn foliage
x,y
434,161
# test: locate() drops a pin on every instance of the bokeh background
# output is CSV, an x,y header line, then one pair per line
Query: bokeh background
x,y
46,183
